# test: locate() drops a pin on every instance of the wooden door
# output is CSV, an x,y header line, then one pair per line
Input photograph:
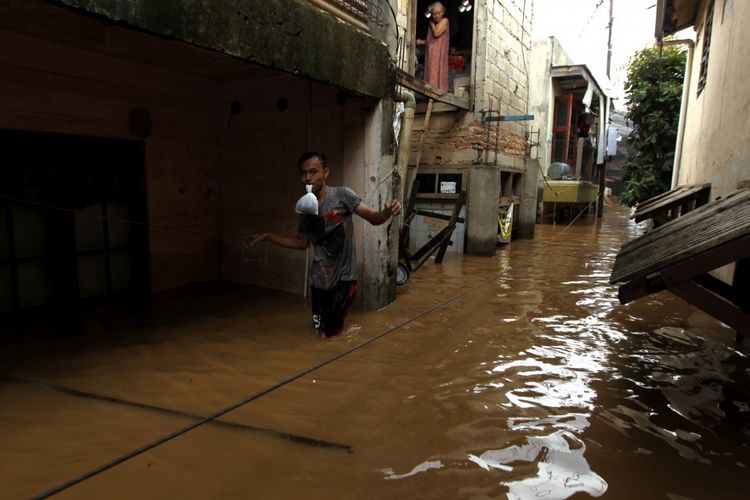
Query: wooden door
x,y
561,127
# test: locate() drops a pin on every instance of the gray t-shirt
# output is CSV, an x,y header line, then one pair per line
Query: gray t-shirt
x,y
332,236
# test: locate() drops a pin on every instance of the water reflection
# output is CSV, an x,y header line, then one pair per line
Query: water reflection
x,y
569,374
424,466
561,469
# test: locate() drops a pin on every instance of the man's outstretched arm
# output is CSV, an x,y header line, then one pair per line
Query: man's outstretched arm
x,y
299,241
375,217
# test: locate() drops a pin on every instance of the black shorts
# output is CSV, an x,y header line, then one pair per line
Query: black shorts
x,y
329,307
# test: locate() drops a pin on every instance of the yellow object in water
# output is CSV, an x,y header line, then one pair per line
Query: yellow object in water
x,y
570,191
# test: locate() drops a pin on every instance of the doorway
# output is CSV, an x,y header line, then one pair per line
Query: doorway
x,y
73,220
461,35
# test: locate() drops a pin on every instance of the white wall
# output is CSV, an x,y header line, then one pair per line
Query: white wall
x,y
716,145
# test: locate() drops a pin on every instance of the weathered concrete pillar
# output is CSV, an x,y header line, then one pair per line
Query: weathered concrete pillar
x,y
378,284
481,228
527,213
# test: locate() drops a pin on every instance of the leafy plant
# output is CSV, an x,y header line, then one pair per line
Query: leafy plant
x,y
653,90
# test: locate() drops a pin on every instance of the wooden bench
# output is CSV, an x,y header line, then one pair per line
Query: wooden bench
x,y
678,256
672,204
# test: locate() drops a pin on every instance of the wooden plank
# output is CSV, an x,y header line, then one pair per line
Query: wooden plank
x,y
693,196
438,107
644,205
413,175
431,247
440,241
434,215
741,283
709,260
641,287
412,83
698,231
718,287
452,224
427,116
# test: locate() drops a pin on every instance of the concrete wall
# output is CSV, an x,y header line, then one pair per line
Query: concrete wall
x,y
212,176
715,145
70,91
289,35
260,183
500,82
215,174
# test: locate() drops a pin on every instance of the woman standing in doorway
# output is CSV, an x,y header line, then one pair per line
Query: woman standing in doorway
x,y
436,58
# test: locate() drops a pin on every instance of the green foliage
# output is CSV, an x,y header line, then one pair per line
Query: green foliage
x,y
653,90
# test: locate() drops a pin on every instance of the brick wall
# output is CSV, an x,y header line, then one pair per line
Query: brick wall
x,y
502,57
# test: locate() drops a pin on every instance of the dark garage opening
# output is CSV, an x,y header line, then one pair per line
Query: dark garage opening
x,y
73,222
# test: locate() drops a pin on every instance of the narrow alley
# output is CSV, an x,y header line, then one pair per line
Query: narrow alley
x,y
517,375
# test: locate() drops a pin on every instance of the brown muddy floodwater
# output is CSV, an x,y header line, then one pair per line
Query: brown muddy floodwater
x,y
530,380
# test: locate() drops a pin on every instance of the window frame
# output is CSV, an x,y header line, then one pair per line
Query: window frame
x,y
705,48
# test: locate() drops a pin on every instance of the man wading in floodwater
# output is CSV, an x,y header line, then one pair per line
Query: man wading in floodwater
x,y
333,274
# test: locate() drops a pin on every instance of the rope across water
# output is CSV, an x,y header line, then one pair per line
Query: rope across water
x,y
194,425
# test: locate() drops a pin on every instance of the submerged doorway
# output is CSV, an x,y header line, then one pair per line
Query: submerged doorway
x,y
461,33
72,220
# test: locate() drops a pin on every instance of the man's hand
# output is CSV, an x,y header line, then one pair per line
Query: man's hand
x,y
250,241
378,217
391,208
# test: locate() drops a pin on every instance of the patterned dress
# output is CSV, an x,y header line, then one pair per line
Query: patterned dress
x,y
436,60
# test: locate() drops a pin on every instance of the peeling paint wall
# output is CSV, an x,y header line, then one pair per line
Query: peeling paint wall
x,y
288,35
715,146
260,183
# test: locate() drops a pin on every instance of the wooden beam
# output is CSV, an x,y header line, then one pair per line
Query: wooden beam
x,y
434,215
688,197
452,225
712,304
636,289
725,253
438,107
439,243
427,116
414,173
715,285
412,83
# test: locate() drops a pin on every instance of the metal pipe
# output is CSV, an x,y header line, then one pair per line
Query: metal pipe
x,y
683,106
402,158
332,9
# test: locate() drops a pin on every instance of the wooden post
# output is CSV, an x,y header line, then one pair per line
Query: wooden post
x,y
419,146
452,224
